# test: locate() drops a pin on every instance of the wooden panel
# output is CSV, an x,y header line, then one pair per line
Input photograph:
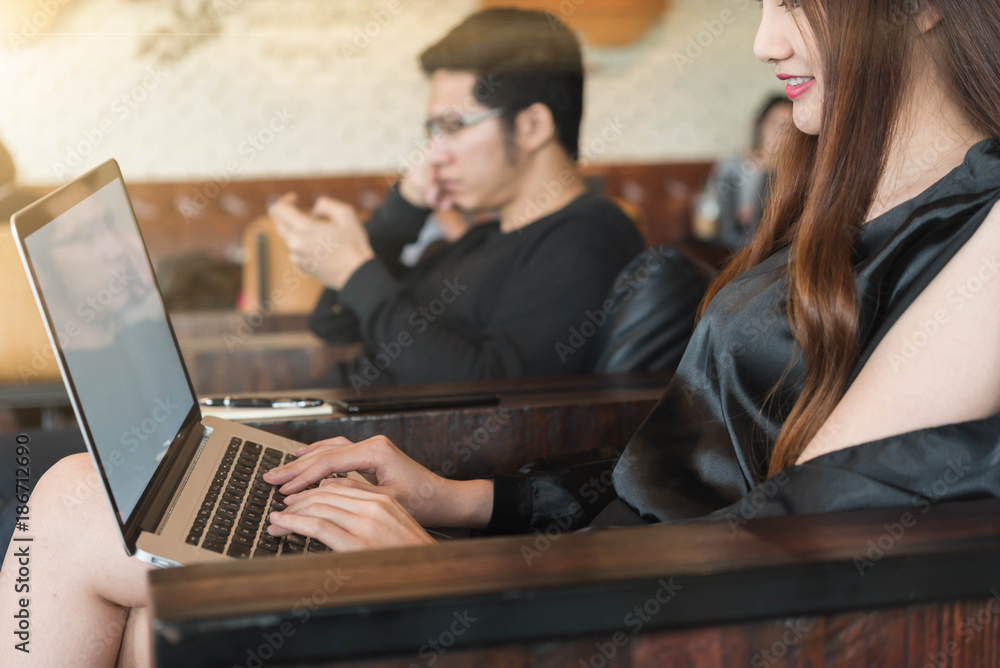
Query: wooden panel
x,y
206,324
260,362
602,22
782,591
190,217
480,441
893,637
666,192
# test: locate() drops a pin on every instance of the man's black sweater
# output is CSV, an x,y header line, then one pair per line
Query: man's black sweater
x,y
491,305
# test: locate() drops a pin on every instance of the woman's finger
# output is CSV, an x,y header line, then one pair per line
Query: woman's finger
x,y
312,447
304,471
345,492
350,482
358,517
328,533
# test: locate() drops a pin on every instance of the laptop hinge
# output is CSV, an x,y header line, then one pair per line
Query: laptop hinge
x,y
156,499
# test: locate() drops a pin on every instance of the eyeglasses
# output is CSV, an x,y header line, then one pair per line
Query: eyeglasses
x,y
449,126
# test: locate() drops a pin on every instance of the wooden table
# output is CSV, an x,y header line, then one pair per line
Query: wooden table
x,y
536,417
276,361
194,324
847,589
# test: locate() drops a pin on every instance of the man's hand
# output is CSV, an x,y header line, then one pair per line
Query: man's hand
x,y
420,188
329,243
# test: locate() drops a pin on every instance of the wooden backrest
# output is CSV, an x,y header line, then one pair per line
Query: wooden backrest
x,y
635,212
25,353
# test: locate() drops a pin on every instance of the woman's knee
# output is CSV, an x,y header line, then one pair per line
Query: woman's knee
x,y
70,483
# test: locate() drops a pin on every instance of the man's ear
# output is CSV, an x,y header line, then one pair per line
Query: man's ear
x,y
534,128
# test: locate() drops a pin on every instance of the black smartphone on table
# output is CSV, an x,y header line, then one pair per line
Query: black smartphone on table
x,y
373,404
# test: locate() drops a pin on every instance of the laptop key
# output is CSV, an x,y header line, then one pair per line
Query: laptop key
x,y
239,551
214,534
224,518
243,540
292,548
252,514
192,539
226,511
245,531
223,529
214,546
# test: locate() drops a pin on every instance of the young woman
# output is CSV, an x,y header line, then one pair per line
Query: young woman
x,y
850,353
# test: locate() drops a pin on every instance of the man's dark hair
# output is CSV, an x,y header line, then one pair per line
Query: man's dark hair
x,y
521,57
765,111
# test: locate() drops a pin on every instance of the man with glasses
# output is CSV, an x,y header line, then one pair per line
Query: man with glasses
x,y
503,131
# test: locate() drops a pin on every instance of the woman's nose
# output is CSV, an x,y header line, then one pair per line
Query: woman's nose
x,y
771,45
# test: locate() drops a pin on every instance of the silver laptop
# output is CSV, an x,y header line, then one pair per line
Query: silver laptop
x,y
183,488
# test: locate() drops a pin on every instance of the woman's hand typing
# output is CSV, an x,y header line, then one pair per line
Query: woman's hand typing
x,y
355,514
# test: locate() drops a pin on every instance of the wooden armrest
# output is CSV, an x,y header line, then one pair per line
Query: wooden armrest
x,y
554,585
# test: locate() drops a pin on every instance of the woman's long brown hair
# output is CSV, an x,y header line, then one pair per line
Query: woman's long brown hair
x,y
824,186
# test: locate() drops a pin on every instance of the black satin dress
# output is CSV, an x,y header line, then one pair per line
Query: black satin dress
x,y
703,451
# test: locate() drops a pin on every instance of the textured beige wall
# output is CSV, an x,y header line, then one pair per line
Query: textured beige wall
x,y
297,76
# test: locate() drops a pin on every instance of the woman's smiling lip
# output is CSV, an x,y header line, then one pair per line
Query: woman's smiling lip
x,y
797,85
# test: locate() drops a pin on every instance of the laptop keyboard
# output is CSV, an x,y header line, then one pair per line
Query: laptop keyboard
x,y
233,517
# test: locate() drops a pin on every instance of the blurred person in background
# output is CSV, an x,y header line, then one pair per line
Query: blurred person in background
x,y
732,204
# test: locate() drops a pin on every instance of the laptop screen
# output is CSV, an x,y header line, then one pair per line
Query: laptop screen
x,y
94,277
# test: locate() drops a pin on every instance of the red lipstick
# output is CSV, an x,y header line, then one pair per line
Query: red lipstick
x,y
798,90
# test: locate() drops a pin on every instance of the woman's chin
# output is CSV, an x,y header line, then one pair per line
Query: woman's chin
x,y
806,121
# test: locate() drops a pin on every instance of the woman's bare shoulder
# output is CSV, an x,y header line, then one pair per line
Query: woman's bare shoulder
x,y
939,363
